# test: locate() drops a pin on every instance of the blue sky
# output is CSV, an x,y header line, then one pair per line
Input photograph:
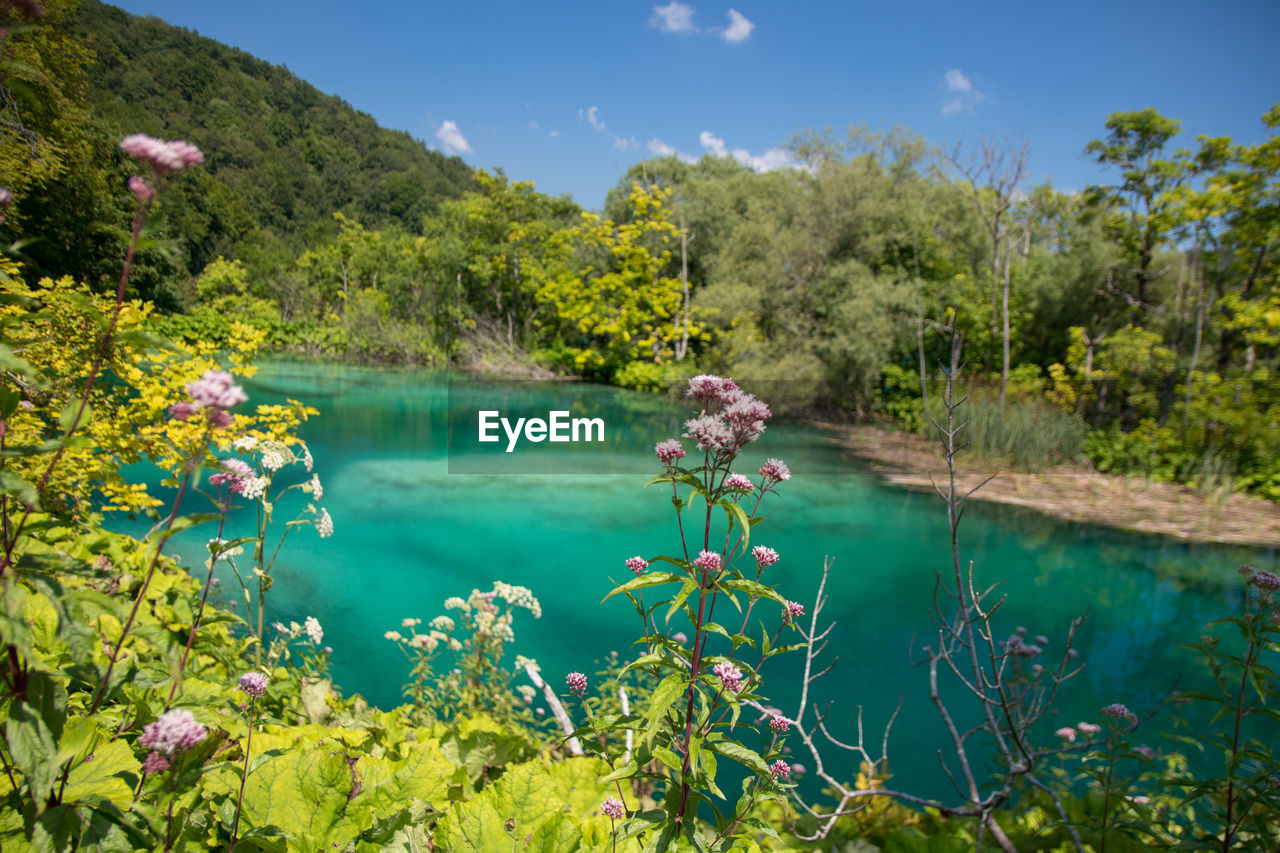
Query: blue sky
x,y
569,94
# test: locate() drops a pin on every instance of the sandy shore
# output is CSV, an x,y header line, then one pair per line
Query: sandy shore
x,y
1074,492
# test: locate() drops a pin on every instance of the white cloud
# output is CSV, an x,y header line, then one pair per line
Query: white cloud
x,y
553,133
533,124
739,28
964,97
674,17
625,144
658,148
769,161
452,139
593,118
956,81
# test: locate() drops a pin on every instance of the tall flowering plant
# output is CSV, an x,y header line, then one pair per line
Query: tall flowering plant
x,y
705,675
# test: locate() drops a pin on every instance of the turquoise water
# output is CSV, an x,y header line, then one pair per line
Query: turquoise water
x,y
409,533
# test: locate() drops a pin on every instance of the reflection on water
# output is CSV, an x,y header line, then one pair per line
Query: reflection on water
x,y
409,533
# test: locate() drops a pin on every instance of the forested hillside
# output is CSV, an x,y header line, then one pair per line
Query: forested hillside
x,y
280,156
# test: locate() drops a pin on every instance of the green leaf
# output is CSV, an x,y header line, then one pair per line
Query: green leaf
x,y
739,515
518,805
33,749
12,484
739,753
388,785
664,695
303,791
685,591
110,772
754,588
645,580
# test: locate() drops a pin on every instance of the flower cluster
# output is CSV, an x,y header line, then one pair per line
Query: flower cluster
x,y
708,561
314,632
1067,733
577,683
1261,578
175,731
730,677
779,724
774,471
613,808
738,482
254,684
163,157
213,393
780,769
1089,729
669,451
730,419
794,611
1119,712
637,565
765,557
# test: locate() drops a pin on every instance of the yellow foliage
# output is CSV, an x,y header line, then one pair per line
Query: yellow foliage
x,y
126,420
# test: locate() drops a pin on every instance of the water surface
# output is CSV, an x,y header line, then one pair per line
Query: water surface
x,y
409,533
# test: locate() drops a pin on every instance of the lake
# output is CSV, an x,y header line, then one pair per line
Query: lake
x,y
423,512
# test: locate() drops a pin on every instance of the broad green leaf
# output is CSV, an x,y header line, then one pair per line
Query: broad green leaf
x,y
499,818
664,695
738,515
689,586
389,785
303,791
12,484
741,754
645,580
754,588
110,772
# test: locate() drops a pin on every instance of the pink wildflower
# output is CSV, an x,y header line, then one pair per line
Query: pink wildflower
x,y
1067,733
141,189
780,769
216,389
765,557
234,476
710,432
637,565
794,611
708,561
1264,579
680,637
1120,712
577,682
613,808
163,157
1089,729
711,390
154,763
669,451
780,725
775,470
175,730
730,676
738,481
254,683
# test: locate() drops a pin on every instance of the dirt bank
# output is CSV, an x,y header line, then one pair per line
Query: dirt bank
x,y
1074,492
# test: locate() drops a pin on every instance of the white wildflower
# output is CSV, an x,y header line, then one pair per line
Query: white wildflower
x,y
453,602
314,631
393,636
254,487
246,442
409,622
324,524
272,461
317,491
442,623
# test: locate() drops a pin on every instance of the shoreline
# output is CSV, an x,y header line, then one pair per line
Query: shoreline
x,y
1071,492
